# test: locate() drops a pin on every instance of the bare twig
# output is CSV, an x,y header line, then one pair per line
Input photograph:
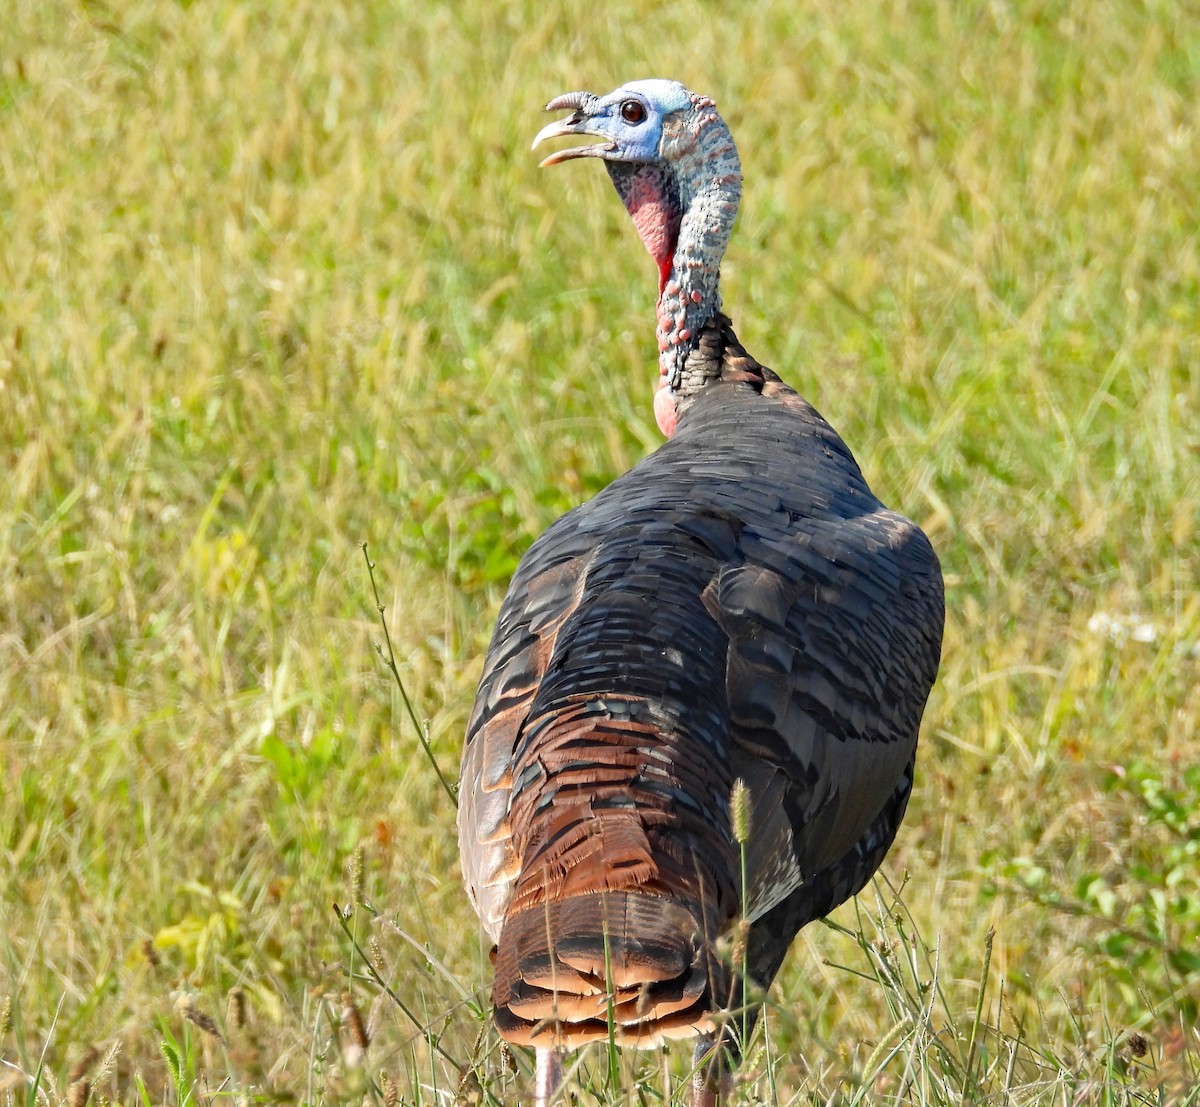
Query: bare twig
x,y
390,661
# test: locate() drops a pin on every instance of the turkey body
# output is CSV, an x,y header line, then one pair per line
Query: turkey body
x,y
736,616
737,606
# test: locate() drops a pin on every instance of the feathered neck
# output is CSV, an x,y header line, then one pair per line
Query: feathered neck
x,y
708,175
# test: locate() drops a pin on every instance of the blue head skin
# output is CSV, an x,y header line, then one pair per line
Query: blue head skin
x,y
629,118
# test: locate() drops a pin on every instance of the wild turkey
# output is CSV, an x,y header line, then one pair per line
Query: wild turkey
x,y
737,607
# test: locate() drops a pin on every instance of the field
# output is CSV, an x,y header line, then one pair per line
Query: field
x,y
277,280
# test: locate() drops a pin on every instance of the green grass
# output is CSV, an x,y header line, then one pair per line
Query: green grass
x,y
276,280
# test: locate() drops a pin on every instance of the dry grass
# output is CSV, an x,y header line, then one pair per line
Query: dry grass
x,y
275,280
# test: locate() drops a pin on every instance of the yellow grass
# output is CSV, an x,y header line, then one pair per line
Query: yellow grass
x,y
279,279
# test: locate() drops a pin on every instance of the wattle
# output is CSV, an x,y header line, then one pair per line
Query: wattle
x,y
648,194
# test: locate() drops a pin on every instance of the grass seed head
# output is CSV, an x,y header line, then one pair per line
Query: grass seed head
x,y
105,1068
194,1015
237,1008
352,1020
357,877
1136,1045
739,811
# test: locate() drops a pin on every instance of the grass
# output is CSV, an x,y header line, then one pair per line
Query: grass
x,y
276,280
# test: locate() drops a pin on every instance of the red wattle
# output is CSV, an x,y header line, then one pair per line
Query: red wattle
x,y
655,214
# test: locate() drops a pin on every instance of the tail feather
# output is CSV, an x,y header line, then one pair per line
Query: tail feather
x,y
626,880
638,966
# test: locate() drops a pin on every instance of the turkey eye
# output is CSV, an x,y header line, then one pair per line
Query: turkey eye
x,y
632,112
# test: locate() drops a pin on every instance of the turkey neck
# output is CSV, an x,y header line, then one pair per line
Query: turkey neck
x,y
708,175
684,207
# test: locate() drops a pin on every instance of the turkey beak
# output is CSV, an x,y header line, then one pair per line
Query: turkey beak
x,y
577,123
